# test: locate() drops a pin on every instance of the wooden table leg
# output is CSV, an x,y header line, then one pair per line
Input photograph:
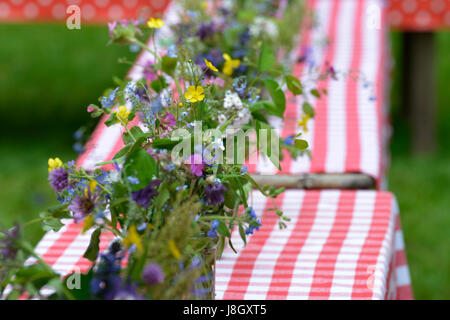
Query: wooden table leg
x,y
419,89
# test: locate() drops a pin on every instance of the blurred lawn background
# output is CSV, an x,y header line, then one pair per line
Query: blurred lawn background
x,y
48,75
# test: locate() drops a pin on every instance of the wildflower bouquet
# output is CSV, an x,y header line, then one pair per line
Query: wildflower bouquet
x,y
179,186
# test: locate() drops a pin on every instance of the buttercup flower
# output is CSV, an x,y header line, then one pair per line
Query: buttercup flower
x,y
54,163
154,23
194,94
303,122
230,64
59,179
122,115
210,65
153,274
133,238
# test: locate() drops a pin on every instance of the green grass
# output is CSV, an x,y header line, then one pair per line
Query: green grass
x,y
422,185
49,74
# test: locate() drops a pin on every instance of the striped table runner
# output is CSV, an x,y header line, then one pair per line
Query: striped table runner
x,y
338,245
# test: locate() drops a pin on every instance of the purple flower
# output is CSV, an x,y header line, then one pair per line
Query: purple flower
x,y
214,193
197,165
81,206
205,30
153,274
212,233
144,196
8,249
59,179
127,291
111,27
149,71
166,123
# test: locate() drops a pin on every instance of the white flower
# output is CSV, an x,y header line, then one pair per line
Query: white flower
x,y
113,177
218,144
263,26
222,119
243,117
232,100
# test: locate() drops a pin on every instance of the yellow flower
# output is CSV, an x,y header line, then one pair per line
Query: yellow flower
x,y
210,65
122,115
88,223
194,94
230,64
303,122
174,250
91,187
204,5
54,163
133,238
155,23
180,105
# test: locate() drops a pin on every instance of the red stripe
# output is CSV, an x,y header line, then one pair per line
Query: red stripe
x,y
404,293
291,113
353,156
319,149
332,247
284,268
55,251
239,277
363,271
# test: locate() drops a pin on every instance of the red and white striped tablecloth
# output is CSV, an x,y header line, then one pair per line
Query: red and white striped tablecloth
x,y
350,128
338,245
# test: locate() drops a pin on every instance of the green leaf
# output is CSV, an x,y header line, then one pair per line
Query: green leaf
x,y
223,229
220,247
315,93
268,106
242,233
111,120
140,164
266,58
169,64
165,143
301,144
293,84
277,95
308,109
122,152
231,246
94,246
159,84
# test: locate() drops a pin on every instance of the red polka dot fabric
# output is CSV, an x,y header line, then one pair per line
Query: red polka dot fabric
x,y
91,11
419,15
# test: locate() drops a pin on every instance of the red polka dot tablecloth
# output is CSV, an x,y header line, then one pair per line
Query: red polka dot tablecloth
x,y
91,11
419,15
